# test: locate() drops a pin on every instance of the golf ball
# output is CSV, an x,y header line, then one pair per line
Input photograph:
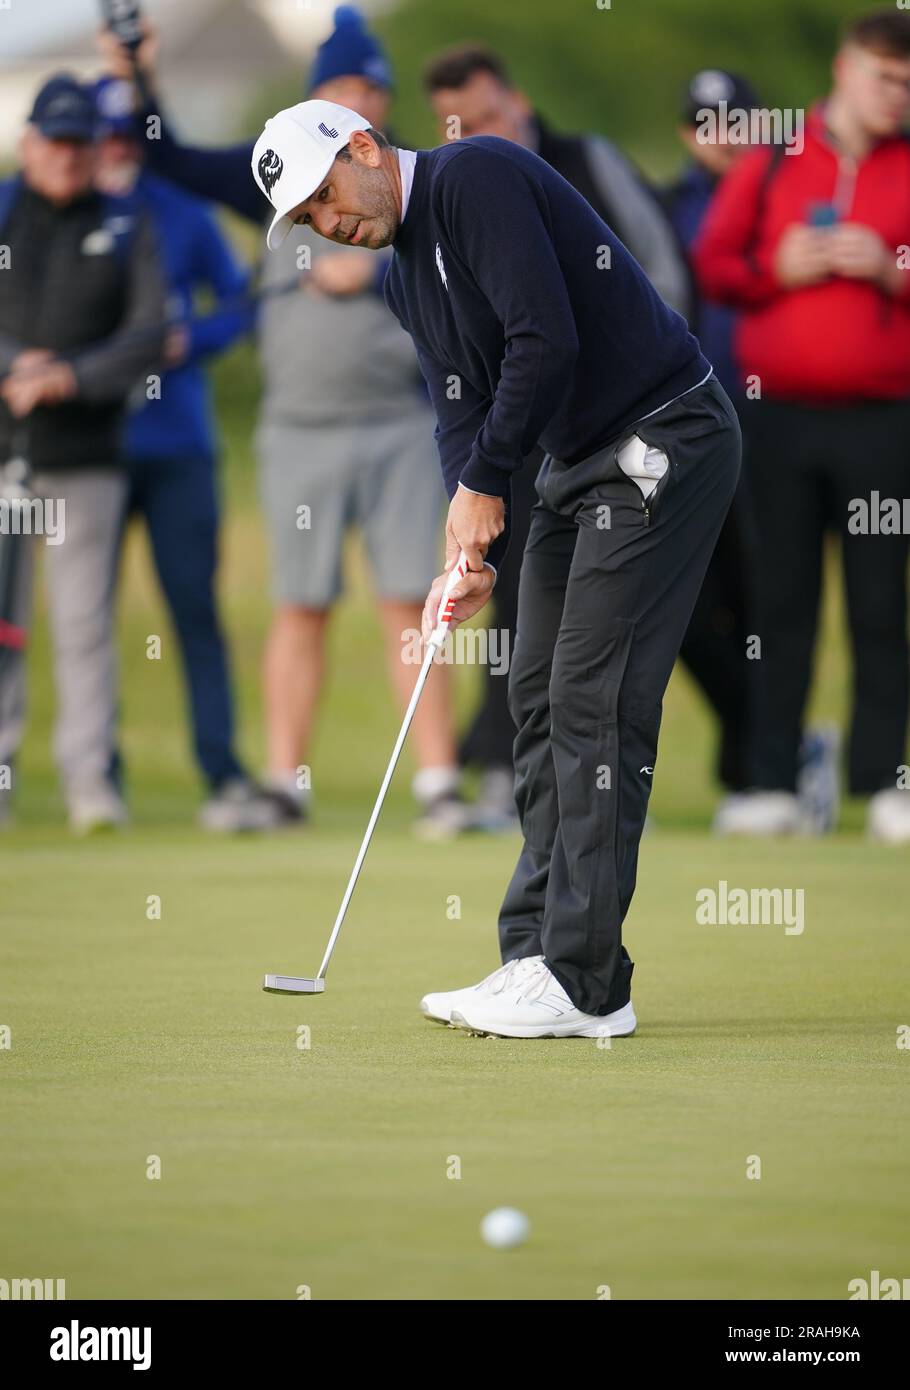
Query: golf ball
x,y
504,1228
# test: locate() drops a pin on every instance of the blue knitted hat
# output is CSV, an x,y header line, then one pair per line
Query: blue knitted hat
x,y
350,51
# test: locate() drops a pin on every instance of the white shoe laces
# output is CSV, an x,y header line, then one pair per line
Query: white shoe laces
x,y
540,982
512,973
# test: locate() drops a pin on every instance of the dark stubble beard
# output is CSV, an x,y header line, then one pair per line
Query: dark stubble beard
x,y
377,202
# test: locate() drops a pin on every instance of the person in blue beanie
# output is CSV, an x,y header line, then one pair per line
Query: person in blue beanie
x,y
346,434
349,68
171,448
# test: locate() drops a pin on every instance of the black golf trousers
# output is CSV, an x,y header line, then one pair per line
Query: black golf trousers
x,y
608,584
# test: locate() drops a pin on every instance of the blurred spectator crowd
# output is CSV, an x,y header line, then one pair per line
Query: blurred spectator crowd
x,y
789,254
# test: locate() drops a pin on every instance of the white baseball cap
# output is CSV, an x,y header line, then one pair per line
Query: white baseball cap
x,y
295,152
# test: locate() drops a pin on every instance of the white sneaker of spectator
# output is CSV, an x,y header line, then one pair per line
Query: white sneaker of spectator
x,y
888,817
97,807
759,813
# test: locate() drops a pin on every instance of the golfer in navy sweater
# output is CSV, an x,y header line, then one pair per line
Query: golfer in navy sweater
x,y
532,322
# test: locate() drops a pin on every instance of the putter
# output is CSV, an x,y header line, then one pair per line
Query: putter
x,y
295,984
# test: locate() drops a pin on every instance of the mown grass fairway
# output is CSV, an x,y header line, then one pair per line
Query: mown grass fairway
x,y
327,1166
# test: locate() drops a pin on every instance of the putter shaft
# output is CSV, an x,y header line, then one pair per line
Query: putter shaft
x,y
365,843
290,984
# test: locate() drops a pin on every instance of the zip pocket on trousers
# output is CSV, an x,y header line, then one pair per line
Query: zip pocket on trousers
x,y
637,472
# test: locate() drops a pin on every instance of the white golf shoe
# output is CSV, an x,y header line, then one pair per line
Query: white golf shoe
x,y
440,1006
536,1006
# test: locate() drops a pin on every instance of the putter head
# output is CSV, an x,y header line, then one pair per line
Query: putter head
x,y
292,984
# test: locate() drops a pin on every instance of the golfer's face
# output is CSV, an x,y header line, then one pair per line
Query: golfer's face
x,y
355,205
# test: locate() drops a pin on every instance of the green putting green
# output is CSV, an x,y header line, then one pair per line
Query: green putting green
x,y
329,1160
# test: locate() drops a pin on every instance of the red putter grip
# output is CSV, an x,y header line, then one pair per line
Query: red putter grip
x,y
447,603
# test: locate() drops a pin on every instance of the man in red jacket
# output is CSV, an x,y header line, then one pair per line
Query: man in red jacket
x,y
813,247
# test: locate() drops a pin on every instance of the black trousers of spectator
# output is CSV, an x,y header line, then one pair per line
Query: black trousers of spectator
x,y
608,585
714,648
806,465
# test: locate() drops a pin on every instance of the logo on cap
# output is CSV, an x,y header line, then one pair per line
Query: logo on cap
x,y
711,86
115,98
62,105
332,134
270,170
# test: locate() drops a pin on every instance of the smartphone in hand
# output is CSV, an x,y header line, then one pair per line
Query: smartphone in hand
x,y
822,215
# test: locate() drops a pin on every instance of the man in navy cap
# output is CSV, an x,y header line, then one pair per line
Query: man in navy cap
x,y
714,648
82,308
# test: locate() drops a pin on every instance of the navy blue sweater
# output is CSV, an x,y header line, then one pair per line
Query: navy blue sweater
x,y
532,322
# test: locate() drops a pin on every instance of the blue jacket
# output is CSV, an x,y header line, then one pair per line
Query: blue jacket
x,y
195,256
222,175
687,203
531,320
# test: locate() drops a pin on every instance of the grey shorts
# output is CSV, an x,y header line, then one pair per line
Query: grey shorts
x,y
382,476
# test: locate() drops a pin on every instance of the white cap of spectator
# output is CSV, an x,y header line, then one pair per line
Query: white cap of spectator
x,y
295,152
